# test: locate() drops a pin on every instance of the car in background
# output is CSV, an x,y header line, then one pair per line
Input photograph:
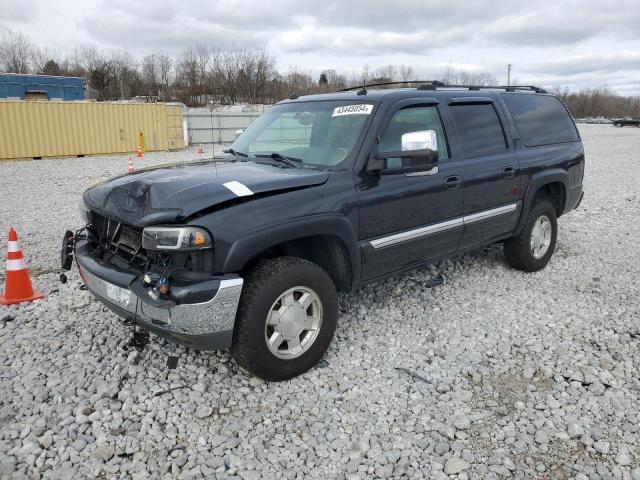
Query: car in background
x,y
626,122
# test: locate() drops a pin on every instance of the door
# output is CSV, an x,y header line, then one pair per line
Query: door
x,y
407,219
490,168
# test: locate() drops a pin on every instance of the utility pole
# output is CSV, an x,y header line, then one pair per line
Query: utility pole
x,y
509,67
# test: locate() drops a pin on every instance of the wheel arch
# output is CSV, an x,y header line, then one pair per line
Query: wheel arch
x,y
550,183
328,241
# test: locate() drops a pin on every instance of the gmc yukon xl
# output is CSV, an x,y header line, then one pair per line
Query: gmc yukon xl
x,y
319,195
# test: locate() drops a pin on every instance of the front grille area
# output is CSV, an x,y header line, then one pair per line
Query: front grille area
x,y
121,244
129,238
119,239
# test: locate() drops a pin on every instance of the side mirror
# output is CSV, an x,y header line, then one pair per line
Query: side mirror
x,y
419,154
420,140
403,162
239,132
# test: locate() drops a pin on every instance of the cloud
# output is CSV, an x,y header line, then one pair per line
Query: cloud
x,y
14,12
549,41
610,62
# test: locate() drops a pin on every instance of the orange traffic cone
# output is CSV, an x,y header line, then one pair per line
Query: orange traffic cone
x,y
200,149
139,154
18,288
130,167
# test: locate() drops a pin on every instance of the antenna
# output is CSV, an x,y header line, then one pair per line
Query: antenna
x,y
509,67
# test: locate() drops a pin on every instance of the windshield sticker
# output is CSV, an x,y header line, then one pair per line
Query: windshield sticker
x,y
357,109
240,189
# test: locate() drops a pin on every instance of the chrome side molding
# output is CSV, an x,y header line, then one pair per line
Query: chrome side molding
x,y
442,226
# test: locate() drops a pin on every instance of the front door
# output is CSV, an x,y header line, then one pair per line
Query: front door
x,y
408,219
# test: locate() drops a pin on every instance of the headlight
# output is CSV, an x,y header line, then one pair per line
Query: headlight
x,y
175,238
84,211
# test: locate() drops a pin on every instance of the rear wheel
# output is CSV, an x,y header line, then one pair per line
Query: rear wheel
x,y
532,249
286,318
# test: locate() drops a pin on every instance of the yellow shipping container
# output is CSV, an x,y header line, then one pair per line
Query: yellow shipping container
x,y
58,129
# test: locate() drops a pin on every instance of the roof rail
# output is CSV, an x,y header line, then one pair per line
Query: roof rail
x,y
435,84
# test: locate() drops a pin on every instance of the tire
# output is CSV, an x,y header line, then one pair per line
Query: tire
x,y
518,250
268,287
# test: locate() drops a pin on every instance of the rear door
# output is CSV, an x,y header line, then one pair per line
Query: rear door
x,y
485,155
409,218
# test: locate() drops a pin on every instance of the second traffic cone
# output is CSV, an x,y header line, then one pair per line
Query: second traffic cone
x,y
139,153
130,167
18,287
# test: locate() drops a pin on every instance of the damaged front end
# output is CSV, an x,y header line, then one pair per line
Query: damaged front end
x,y
157,278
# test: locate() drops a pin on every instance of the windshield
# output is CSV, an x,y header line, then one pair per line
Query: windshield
x,y
317,133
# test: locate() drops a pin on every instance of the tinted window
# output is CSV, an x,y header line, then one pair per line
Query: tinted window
x,y
413,119
540,119
480,130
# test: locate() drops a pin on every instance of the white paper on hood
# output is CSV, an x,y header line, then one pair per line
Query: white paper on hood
x,y
240,189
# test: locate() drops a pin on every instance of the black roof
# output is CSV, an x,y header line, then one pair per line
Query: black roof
x,y
371,93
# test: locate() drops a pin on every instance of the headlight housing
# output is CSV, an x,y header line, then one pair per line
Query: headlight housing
x,y
175,238
84,210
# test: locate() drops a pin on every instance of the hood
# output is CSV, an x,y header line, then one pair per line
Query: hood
x,y
171,193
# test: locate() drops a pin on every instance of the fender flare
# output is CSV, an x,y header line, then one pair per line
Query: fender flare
x,y
248,246
538,180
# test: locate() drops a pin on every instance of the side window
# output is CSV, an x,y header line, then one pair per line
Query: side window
x,y
540,119
412,119
480,130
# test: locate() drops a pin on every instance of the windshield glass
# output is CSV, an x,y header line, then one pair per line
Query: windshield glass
x,y
318,133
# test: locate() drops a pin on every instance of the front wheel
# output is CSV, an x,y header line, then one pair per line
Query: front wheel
x,y
286,318
532,249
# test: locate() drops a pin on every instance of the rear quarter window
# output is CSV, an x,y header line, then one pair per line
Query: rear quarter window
x,y
480,130
540,119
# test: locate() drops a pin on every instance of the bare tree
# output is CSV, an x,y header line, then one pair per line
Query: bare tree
x,y
407,73
335,81
15,52
165,70
150,75
202,73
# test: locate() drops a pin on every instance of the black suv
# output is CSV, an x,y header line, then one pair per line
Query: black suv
x,y
626,122
319,195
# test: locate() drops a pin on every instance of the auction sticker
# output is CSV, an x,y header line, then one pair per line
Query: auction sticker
x,y
356,109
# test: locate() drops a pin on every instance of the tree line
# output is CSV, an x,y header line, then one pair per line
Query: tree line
x,y
201,75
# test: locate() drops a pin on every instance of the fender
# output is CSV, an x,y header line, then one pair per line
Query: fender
x,y
538,180
246,247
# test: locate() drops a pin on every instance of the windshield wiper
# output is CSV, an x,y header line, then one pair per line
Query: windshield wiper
x,y
236,153
291,161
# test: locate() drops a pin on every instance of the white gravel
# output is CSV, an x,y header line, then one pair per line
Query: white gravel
x,y
503,374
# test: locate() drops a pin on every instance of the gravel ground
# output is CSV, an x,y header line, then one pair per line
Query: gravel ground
x,y
495,374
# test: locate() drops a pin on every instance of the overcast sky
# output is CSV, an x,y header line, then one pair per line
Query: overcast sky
x,y
577,43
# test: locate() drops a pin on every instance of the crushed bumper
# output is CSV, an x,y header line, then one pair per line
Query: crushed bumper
x,y
206,323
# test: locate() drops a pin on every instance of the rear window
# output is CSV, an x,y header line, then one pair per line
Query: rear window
x,y
480,130
540,119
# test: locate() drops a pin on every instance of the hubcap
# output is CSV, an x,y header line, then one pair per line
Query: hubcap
x,y
293,322
541,236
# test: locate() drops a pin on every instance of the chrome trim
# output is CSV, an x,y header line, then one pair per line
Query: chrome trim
x,y
417,233
433,171
441,227
213,316
494,212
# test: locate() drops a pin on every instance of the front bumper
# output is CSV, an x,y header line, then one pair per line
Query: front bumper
x,y
204,321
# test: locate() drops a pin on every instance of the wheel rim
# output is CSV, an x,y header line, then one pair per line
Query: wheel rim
x,y
541,236
293,322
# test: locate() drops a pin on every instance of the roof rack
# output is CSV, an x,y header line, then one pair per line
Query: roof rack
x,y
435,84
